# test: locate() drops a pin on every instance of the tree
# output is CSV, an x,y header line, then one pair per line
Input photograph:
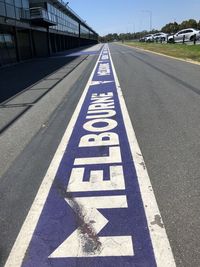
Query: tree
x,y
191,23
171,27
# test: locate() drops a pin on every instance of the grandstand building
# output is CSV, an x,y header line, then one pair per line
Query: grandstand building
x,y
38,28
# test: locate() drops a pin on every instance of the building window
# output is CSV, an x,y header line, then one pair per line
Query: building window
x,y
10,11
25,4
9,2
18,13
7,49
65,23
18,3
2,9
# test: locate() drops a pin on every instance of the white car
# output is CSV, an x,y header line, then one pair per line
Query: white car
x,y
160,36
185,34
148,38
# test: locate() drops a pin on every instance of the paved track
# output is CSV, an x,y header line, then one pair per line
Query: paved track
x,y
163,100
27,148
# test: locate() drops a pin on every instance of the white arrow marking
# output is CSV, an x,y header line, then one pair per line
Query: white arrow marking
x,y
84,241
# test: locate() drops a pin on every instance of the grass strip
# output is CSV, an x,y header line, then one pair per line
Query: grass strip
x,y
184,51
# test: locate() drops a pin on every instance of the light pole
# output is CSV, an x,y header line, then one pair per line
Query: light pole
x,y
133,27
150,17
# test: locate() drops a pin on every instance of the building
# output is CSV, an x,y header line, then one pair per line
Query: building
x,y
38,28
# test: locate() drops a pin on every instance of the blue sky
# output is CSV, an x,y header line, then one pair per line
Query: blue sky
x,y
109,16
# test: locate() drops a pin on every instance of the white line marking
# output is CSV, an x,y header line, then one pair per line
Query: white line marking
x,y
18,251
161,246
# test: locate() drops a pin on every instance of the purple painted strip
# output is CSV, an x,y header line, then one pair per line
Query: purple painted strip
x,y
83,53
58,221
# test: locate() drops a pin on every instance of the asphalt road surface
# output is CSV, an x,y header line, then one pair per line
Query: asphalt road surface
x,y
162,97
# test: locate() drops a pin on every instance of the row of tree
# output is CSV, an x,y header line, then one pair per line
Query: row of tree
x,y
174,27
171,27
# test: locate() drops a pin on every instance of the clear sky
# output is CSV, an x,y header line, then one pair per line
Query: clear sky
x,y
110,16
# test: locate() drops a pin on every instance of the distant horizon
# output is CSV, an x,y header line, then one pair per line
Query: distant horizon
x,y
134,16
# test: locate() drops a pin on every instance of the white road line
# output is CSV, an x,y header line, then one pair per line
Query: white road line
x,y
18,251
161,246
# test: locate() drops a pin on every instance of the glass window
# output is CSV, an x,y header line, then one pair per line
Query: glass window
x,y
11,2
49,7
8,40
65,23
2,9
7,49
25,4
2,42
18,12
18,3
10,10
182,32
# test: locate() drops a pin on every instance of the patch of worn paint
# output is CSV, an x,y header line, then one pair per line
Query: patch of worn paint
x,y
157,221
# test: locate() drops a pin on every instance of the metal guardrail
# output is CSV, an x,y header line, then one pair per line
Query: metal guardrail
x,y
195,40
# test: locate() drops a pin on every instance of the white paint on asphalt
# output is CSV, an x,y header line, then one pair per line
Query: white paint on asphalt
x,y
96,181
70,247
99,82
110,245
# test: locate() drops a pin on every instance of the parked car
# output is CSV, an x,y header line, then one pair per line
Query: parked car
x,y
142,39
189,34
160,36
148,38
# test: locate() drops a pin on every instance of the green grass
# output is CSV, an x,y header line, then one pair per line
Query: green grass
x,y
183,51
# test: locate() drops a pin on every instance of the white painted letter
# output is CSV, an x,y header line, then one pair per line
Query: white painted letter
x,y
114,157
96,182
108,113
90,125
103,139
82,243
102,106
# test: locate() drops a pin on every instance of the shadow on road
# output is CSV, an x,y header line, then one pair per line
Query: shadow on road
x,y
15,78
